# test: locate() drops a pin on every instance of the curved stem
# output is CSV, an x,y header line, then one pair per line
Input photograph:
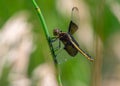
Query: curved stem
x,y
41,19
45,30
48,39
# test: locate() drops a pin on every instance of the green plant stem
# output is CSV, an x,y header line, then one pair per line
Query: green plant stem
x,y
48,39
45,30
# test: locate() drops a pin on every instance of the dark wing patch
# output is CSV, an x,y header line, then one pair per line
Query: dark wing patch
x,y
71,49
72,28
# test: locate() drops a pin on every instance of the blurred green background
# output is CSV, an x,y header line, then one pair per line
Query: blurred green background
x,y
105,19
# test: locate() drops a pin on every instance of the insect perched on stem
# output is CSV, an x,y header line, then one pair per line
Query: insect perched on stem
x,y
70,44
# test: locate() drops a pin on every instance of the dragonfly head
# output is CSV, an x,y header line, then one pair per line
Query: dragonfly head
x,y
56,32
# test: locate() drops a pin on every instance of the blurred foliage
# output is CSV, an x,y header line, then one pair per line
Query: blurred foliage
x,y
74,71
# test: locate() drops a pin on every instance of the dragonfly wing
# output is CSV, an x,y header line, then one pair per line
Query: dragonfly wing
x,y
73,26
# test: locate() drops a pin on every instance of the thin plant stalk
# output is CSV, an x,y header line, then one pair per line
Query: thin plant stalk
x,y
48,39
45,29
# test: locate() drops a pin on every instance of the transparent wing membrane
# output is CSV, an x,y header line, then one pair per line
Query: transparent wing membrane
x,y
75,16
61,55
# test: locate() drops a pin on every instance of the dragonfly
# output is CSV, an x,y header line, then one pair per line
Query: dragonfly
x,y
71,46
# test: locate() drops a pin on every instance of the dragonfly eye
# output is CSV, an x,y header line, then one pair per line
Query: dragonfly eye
x,y
56,32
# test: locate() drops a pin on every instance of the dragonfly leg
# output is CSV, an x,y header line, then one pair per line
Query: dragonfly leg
x,y
53,39
58,47
59,44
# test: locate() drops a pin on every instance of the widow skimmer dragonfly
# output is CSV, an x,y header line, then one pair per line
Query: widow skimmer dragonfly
x,y
70,44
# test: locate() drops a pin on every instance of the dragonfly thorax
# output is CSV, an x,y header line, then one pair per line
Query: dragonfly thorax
x,y
57,32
